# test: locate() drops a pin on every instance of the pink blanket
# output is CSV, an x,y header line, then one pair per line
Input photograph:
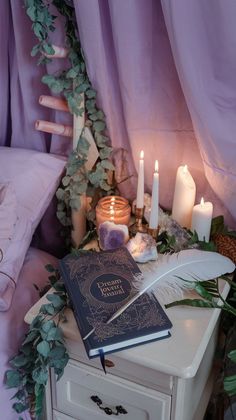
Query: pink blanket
x,y
12,325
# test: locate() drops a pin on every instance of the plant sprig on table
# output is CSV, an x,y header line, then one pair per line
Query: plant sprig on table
x,y
42,348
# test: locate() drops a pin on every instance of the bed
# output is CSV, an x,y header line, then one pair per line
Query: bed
x,y
28,181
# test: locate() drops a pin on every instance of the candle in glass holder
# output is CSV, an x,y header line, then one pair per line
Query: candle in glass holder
x,y
184,197
114,209
201,220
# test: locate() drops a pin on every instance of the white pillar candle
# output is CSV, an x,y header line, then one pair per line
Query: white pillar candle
x,y
184,197
140,187
153,223
201,220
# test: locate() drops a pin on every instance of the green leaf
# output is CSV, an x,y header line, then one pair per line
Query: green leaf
x,y
203,292
60,194
82,87
40,375
57,352
75,203
232,356
50,268
105,152
48,309
48,79
56,300
47,325
30,337
32,12
101,140
83,146
230,385
99,126
59,363
43,348
90,104
91,93
48,48
19,361
39,31
20,394
79,189
13,378
19,407
104,185
198,303
107,164
72,73
35,50
54,334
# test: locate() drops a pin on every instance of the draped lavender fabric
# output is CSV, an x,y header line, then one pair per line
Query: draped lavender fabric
x,y
140,72
130,62
21,86
203,39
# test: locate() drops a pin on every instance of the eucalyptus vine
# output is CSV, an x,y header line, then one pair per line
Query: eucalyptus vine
x,y
74,85
43,348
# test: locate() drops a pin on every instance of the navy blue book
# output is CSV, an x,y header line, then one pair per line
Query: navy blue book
x,y
98,284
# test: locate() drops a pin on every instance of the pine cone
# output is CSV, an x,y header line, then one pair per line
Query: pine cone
x,y
226,245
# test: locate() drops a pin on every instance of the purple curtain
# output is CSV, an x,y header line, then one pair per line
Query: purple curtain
x,y
146,66
21,86
160,69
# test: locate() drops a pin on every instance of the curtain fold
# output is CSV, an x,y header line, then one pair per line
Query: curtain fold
x,y
202,36
160,68
141,72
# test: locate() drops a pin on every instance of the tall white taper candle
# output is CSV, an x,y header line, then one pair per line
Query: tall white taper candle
x,y
140,187
184,197
153,223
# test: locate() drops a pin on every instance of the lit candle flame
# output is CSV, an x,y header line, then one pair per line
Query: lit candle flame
x,y
112,212
112,200
156,166
202,202
142,154
185,170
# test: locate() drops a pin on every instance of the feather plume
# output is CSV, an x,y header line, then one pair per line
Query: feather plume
x,y
189,264
164,277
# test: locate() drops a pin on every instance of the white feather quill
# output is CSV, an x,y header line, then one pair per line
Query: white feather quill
x,y
167,271
163,277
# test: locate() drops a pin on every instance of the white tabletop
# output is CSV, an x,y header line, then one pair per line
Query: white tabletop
x,y
180,355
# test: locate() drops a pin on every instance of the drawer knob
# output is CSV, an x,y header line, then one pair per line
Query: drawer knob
x,y
107,410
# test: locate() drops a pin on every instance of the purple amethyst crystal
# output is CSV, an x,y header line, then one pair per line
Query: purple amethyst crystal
x,y
112,236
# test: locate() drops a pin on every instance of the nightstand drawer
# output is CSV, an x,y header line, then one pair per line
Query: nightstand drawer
x,y
59,416
72,396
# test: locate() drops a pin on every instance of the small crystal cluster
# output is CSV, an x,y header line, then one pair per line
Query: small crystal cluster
x,y
142,248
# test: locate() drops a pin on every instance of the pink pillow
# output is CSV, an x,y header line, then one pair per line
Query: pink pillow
x,y
32,178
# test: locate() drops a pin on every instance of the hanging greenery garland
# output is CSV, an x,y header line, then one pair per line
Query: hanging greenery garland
x,y
74,85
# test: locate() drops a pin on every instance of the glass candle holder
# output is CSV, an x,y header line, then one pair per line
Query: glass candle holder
x,y
114,209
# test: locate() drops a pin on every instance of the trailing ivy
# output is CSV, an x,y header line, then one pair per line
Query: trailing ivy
x,y
74,84
42,348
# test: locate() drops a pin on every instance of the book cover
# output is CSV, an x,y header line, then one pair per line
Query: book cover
x,y
98,284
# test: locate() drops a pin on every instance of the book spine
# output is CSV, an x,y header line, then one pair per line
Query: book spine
x,y
78,318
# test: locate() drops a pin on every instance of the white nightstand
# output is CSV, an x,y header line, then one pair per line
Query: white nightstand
x,y
170,379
